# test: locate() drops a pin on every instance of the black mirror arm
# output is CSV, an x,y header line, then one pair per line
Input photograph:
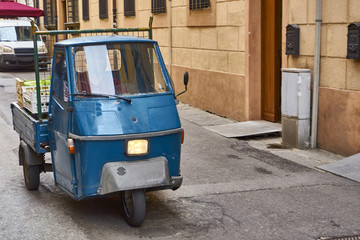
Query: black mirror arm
x,y
181,92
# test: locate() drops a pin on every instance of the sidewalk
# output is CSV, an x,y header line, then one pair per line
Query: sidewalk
x,y
311,158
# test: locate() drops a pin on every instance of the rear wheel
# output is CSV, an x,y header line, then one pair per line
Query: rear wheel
x,y
134,206
31,172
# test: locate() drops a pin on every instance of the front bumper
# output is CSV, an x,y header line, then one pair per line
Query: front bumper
x,y
147,174
19,60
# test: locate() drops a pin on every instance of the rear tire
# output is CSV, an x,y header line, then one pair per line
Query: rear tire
x,y
31,173
134,206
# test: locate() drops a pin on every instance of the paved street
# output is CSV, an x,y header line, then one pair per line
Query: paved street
x,y
231,190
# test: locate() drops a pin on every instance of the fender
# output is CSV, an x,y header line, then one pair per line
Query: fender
x,y
121,176
30,156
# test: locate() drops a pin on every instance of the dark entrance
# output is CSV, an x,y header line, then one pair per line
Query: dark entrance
x,y
270,59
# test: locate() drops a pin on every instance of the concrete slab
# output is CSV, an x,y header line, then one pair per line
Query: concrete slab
x,y
348,167
307,157
201,117
244,129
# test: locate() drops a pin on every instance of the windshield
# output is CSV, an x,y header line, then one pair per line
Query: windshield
x,y
14,34
118,69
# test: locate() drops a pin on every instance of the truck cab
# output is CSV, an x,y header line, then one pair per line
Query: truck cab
x,y
112,101
16,44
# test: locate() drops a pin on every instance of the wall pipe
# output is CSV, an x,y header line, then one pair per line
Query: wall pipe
x,y
317,61
170,37
114,14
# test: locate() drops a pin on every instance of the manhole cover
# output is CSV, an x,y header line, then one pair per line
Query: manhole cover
x,y
340,238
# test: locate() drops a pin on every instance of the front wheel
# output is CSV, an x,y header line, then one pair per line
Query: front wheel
x,y
134,206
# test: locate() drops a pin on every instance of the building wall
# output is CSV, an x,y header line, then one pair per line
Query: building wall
x,y
209,44
94,21
339,93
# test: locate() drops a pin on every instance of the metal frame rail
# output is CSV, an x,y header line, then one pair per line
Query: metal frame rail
x,y
74,33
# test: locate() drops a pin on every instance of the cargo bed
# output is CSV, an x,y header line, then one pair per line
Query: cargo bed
x,y
33,132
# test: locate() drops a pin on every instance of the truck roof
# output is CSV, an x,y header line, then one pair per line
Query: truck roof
x,y
102,39
13,23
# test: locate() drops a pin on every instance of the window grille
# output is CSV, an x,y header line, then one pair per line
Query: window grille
x,y
73,12
85,8
158,6
50,14
129,8
103,9
199,4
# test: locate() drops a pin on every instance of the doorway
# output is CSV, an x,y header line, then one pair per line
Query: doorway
x,y
271,23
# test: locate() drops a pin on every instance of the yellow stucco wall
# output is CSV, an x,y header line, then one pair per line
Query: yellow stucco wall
x,y
94,21
203,42
339,93
336,71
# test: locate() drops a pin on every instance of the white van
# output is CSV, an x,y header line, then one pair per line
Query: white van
x,y
16,44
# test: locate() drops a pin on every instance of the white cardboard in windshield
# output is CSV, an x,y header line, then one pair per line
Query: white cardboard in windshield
x,y
99,70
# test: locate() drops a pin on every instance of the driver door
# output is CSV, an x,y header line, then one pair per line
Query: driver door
x,y
59,122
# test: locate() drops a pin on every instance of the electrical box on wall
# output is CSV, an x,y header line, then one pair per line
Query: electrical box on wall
x,y
292,39
353,43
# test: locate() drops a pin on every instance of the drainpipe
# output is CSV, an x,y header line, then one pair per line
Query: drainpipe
x,y
317,59
114,14
170,36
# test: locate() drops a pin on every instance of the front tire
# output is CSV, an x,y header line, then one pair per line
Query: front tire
x,y
134,206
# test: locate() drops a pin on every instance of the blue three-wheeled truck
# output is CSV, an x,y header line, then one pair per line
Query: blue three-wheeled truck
x,y
112,124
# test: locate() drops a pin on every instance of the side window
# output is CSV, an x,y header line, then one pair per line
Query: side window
x,y
60,84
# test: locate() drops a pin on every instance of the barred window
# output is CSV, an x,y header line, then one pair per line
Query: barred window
x,y
199,4
158,6
103,9
50,14
85,9
129,8
73,11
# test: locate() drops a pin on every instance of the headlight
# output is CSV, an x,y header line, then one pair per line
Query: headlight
x,y
137,147
42,49
5,49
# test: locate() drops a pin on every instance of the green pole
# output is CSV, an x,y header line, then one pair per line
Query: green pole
x,y
150,27
37,75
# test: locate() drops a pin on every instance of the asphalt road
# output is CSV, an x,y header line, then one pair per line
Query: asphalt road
x,y
230,191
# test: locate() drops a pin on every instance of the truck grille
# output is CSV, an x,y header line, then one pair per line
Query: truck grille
x,y
24,51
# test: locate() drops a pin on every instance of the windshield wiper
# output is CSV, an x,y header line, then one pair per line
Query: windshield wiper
x,y
101,95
